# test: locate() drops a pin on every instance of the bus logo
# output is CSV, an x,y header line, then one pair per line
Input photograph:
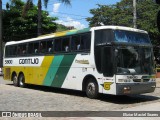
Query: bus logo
x,y
29,61
107,85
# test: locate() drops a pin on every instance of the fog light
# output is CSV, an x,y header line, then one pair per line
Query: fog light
x,y
153,86
126,90
153,79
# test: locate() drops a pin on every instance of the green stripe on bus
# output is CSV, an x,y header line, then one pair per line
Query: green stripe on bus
x,y
53,70
71,32
83,30
78,31
63,70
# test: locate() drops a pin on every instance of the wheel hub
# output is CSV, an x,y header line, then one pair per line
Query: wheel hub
x,y
91,88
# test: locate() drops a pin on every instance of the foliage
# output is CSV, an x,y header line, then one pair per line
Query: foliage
x,y
16,27
61,27
28,6
122,14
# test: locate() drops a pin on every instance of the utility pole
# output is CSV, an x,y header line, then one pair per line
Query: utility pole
x,y
1,49
134,14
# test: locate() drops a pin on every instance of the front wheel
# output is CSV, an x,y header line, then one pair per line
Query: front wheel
x,y
92,89
21,80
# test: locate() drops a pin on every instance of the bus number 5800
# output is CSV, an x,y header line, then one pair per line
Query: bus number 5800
x,y
8,61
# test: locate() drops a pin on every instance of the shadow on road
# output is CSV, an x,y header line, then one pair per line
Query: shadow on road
x,y
117,99
127,99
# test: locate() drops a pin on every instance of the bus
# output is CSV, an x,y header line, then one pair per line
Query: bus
x,y
113,60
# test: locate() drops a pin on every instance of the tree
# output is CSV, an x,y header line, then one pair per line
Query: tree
x,y
27,6
1,33
158,16
122,14
61,27
17,27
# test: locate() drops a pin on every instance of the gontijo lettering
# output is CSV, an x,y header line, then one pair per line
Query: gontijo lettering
x,y
29,61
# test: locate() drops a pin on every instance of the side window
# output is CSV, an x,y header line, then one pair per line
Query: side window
x,y
103,36
75,43
36,47
43,47
58,45
12,50
22,49
65,44
86,41
49,46
7,51
30,48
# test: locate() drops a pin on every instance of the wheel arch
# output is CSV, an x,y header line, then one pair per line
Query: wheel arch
x,y
20,73
86,80
13,73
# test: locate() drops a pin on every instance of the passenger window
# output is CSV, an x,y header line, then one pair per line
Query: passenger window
x,y
31,48
7,51
42,48
49,46
22,49
11,51
75,43
65,44
36,48
86,41
57,45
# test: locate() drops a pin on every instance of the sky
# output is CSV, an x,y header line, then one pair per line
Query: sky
x,y
73,15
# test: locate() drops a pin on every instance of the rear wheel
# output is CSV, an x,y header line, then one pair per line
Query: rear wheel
x,y
21,80
15,80
92,89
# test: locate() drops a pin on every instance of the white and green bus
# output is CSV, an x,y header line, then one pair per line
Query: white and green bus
x,y
106,59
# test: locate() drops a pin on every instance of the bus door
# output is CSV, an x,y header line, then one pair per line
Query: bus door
x,y
107,57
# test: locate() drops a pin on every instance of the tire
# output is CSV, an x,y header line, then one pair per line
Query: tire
x,y
15,80
92,89
21,80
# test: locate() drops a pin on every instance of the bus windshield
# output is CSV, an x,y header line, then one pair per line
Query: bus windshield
x,y
131,37
134,60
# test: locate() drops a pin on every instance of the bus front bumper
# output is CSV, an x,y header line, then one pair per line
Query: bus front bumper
x,y
135,88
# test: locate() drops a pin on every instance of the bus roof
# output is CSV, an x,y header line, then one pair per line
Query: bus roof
x,y
52,35
119,28
75,31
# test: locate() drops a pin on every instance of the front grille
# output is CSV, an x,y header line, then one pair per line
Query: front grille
x,y
145,80
141,80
